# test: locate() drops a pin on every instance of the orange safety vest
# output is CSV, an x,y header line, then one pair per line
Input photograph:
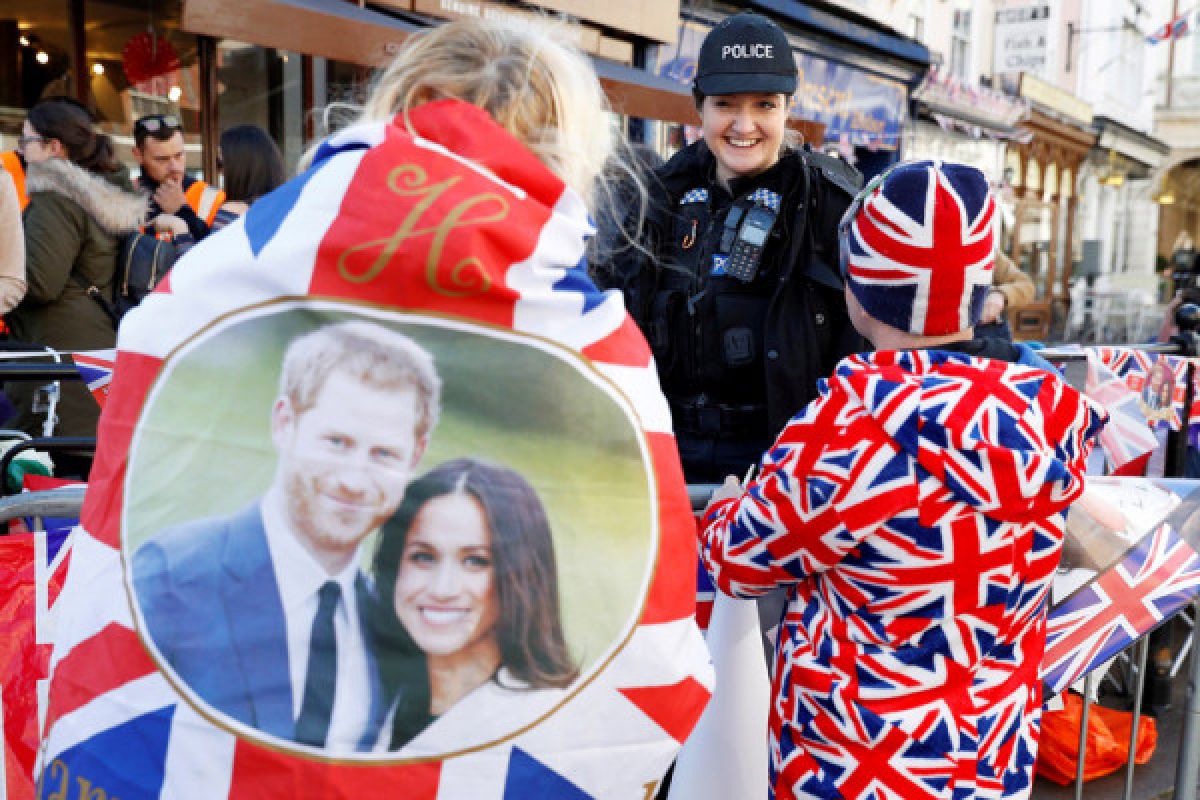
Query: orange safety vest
x,y
204,200
12,164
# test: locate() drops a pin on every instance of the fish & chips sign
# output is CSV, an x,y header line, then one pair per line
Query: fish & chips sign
x,y
1022,38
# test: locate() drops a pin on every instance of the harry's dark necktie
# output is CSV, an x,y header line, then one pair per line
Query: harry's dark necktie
x,y
316,709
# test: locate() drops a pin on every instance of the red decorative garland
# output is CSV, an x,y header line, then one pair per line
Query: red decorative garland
x,y
147,56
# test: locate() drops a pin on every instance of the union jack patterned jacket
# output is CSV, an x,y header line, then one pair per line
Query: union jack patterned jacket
x,y
914,511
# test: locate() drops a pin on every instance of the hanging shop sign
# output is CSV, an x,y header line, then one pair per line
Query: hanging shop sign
x,y
857,107
1055,99
1022,38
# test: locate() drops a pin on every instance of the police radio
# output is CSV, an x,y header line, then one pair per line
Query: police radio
x,y
745,241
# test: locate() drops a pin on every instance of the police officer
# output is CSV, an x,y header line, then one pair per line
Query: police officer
x,y
735,283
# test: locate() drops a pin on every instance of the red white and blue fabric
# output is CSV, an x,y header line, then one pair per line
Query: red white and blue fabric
x,y
914,512
1176,28
1127,437
1153,581
96,369
918,253
1134,366
33,567
116,721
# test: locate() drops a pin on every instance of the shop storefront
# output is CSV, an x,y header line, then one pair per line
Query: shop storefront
x,y
218,63
126,60
969,124
855,78
1043,174
1118,216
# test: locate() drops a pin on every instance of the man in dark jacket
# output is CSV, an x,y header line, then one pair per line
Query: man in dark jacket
x,y
158,149
735,281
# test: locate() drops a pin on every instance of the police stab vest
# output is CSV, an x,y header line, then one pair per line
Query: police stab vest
x,y
707,324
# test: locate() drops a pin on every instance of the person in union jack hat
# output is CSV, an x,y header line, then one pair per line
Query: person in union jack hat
x,y
914,512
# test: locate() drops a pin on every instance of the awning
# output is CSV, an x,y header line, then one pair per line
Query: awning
x,y
1135,145
867,33
342,31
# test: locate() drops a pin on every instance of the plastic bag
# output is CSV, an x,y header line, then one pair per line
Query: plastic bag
x,y
1107,741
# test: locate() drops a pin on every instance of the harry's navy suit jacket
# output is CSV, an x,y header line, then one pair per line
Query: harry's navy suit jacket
x,y
208,594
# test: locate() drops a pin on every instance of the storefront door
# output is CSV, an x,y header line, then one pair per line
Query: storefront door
x,y
1035,251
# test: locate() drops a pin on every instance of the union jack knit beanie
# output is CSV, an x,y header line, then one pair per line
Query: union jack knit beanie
x,y
916,247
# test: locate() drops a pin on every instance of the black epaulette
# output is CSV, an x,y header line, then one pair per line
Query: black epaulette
x,y
837,171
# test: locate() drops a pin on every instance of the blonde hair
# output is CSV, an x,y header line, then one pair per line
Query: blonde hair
x,y
538,88
376,356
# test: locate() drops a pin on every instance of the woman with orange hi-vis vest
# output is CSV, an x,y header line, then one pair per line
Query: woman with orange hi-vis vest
x,y
15,167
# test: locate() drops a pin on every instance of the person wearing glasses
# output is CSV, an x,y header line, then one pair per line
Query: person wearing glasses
x,y
914,512
81,204
733,279
159,151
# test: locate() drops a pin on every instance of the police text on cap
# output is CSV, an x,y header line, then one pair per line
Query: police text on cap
x,y
746,51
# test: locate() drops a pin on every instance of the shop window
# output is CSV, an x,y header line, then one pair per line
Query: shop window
x,y
915,27
264,87
1050,184
35,60
341,90
140,62
1012,169
960,46
1036,234
1033,177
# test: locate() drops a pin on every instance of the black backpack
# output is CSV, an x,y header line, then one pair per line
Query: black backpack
x,y
142,261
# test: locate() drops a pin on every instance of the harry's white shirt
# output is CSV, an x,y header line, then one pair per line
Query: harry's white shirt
x,y
299,578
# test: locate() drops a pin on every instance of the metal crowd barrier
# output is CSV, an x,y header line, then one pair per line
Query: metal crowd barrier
x,y
53,371
65,501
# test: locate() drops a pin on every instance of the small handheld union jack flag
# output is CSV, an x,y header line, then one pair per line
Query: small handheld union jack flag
x,y
1158,575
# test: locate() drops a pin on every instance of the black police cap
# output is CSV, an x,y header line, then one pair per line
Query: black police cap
x,y
746,53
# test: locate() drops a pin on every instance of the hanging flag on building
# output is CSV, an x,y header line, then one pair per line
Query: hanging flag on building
x,y
1177,28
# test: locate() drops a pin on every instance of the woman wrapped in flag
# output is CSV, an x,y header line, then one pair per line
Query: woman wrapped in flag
x,y
458,209
914,513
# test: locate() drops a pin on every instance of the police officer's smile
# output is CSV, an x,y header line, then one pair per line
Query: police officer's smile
x,y
744,131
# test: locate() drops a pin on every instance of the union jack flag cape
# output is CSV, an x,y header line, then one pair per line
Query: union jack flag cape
x,y
120,722
32,569
914,512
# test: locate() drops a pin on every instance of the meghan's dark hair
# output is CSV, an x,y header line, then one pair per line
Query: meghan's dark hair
x,y
528,631
72,124
252,163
